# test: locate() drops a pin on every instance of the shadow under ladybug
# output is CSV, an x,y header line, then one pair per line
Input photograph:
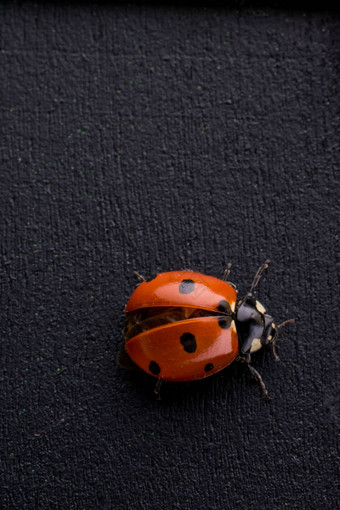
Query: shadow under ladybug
x,y
186,326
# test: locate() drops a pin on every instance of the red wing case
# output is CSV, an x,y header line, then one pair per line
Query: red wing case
x,y
186,350
184,289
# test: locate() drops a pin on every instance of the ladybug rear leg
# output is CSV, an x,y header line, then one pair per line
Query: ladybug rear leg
x,y
258,276
158,388
140,278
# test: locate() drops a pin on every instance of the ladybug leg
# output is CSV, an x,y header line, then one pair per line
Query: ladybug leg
x,y
259,379
273,347
247,359
258,276
158,388
226,272
273,343
140,278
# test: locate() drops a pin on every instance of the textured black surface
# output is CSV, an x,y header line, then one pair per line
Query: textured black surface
x,y
149,138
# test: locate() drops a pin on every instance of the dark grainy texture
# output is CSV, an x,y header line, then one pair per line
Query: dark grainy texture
x,y
147,138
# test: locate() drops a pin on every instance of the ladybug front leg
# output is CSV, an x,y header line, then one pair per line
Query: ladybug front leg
x,y
273,343
226,273
258,276
247,359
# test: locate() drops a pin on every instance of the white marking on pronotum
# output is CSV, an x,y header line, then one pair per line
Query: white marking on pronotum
x,y
260,308
256,345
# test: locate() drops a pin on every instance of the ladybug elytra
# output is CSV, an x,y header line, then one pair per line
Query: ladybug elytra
x,y
184,326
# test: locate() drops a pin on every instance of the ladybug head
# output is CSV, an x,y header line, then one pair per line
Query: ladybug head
x,y
255,328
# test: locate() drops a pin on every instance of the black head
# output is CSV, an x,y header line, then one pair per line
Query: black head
x,y
255,328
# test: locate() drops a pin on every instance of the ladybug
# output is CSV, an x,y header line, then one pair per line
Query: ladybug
x,y
185,326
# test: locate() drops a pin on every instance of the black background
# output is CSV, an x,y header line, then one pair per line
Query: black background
x,y
151,138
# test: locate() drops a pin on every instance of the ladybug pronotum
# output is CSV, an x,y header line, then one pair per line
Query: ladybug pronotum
x,y
184,326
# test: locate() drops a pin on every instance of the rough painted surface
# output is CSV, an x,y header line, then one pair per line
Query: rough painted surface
x,y
149,139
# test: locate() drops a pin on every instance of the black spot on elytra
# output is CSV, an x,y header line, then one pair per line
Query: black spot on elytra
x,y
224,306
154,368
188,341
224,322
208,367
186,286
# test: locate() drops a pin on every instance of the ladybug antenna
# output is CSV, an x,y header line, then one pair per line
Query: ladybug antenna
x,y
288,321
258,276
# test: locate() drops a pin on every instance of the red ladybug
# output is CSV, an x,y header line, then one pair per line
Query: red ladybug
x,y
184,326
